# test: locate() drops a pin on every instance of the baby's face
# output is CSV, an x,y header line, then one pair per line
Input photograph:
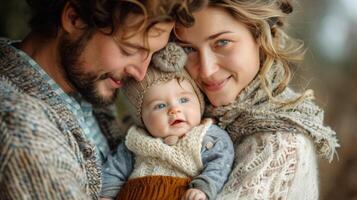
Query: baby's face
x,y
170,109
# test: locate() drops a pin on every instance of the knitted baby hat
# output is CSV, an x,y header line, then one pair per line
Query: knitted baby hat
x,y
166,65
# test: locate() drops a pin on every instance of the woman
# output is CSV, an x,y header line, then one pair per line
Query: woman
x,y
240,56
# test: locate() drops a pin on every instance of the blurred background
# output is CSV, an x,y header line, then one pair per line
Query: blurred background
x,y
329,30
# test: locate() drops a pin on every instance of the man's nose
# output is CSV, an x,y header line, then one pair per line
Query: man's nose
x,y
138,71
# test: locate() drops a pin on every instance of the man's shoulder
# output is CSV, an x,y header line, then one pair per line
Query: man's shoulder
x,y
6,87
12,97
26,122
19,110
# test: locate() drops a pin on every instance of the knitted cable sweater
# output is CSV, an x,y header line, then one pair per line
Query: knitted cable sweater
x,y
275,146
44,153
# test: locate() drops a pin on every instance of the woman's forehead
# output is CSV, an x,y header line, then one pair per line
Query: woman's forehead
x,y
208,23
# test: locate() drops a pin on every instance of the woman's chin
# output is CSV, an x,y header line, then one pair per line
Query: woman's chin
x,y
216,102
224,96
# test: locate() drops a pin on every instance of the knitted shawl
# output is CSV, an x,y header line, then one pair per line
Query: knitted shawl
x,y
254,112
274,144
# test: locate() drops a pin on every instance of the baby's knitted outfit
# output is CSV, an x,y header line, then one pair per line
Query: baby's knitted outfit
x,y
153,157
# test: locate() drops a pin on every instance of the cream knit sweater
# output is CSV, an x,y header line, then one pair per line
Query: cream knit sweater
x,y
273,166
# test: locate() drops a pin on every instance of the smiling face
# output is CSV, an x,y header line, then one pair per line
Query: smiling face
x,y
97,67
170,109
223,56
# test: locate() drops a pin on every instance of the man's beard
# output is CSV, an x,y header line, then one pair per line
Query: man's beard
x,y
84,82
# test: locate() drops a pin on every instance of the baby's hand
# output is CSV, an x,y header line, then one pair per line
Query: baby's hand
x,y
194,194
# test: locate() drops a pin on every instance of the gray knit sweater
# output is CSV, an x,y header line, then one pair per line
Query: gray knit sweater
x,y
44,153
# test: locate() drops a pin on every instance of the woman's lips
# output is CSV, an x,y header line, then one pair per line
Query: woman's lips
x,y
215,86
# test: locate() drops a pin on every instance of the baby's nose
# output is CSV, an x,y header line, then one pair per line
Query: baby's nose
x,y
174,110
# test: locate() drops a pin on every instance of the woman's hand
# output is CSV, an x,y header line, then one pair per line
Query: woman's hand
x,y
194,194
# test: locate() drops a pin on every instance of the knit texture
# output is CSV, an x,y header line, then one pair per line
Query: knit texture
x,y
156,158
134,91
44,153
170,59
268,142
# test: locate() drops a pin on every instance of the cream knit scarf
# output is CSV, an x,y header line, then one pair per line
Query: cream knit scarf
x,y
253,112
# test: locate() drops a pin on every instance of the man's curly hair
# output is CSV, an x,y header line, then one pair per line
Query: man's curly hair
x,y
104,14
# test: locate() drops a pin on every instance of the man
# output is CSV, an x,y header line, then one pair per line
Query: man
x,y
56,86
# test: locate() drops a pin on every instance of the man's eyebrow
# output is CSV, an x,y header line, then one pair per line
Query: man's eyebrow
x,y
140,47
130,45
136,46
160,30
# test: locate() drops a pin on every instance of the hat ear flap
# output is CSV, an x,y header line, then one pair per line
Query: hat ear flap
x,y
172,58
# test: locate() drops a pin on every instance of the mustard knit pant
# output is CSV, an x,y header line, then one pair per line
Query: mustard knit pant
x,y
154,188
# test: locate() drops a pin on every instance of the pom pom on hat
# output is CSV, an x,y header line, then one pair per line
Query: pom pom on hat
x,y
170,59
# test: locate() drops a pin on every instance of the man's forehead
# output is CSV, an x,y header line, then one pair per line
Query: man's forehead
x,y
154,31
137,38
161,28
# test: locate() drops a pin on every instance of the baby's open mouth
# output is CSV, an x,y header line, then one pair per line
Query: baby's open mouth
x,y
177,121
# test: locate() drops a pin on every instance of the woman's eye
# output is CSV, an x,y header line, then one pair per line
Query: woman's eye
x,y
221,43
184,100
188,50
159,106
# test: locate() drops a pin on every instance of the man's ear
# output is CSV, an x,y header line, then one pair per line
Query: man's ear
x,y
71,22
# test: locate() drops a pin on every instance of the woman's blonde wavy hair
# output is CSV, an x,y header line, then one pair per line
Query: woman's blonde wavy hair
x,y
265,20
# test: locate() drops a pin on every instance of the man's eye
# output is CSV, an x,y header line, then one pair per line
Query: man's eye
x,y
184,100
159,106
188,50
124,49
127,51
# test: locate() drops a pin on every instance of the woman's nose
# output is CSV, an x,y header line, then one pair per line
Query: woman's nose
x,y
208,63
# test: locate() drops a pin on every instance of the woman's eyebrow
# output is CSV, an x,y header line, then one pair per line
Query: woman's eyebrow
x,y
211,37
217,35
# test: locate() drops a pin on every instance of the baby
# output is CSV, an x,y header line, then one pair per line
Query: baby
x,y
171,153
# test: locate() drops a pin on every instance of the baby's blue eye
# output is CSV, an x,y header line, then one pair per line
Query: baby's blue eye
x,y
188,50
159,106
184,100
